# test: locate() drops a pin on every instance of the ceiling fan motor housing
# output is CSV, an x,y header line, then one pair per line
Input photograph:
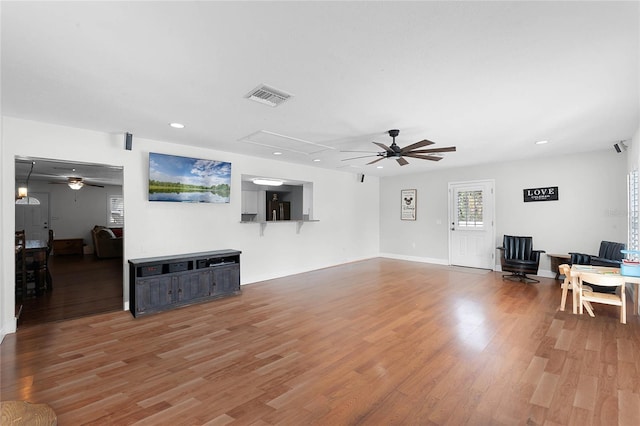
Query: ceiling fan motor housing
x,y
395,149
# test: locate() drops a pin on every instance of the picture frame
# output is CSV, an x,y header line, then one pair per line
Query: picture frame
x,y
408,203
175,178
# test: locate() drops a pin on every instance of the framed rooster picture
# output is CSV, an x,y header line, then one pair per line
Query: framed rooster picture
x,y
408,204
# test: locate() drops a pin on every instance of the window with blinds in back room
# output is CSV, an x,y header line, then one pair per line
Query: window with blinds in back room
x,y
115,214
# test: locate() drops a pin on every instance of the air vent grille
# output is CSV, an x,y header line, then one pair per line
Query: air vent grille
x,y
268,95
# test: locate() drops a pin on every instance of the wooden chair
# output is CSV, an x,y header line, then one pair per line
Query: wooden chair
x,y
49,278
21,265
27,268
586,295
566,286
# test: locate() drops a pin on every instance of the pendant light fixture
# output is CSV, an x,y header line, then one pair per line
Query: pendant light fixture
x,y
23,192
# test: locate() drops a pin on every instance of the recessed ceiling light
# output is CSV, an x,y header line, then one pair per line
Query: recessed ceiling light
x,y
277,153
541,142
316,160
379,167
177,125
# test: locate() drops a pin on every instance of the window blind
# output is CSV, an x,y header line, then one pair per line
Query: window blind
x,y
470,209
634,211
116,210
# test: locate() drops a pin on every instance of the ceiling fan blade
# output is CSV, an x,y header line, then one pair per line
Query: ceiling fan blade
x,y
416,145
375,161
427,151
383,146
369,152
363,156
423,157
402,161
93,184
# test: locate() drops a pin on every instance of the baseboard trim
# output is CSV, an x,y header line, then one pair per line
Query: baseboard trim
x,y
415,258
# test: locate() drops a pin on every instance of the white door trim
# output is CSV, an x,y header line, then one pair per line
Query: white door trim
x,y
491,184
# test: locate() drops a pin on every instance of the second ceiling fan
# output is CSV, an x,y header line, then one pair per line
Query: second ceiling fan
x,y
77,183
412,151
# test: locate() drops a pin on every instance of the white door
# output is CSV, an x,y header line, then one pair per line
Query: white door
x,y
34,219
471,224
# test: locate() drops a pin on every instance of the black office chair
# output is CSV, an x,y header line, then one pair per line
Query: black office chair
x,y
518,257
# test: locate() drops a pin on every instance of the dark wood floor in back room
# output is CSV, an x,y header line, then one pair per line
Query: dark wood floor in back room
x,y
82,285
376,342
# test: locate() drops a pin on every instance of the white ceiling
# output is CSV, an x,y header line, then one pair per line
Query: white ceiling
x,y
491,78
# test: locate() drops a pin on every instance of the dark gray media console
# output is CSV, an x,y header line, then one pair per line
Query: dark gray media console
x,y
161,283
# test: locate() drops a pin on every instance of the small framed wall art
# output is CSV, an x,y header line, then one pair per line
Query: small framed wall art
x,y
408,204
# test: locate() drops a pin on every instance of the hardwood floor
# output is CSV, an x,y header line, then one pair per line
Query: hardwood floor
x,y
82,285
377,342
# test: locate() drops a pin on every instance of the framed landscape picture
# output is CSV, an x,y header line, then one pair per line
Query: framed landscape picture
x,y
188,180
408,204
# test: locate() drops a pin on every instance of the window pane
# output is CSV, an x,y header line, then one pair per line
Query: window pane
x,y
470,212
116,210
634,212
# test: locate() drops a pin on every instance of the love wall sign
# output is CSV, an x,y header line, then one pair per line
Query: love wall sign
x,y
549,193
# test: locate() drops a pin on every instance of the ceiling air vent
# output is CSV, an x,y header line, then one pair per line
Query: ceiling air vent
x,y
268,95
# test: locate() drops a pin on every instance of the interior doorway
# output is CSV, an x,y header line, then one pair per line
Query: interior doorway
x,y
34,219
74,197
471,224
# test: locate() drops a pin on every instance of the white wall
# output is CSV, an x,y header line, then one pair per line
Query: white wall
x,y
347,210
592,206
634,152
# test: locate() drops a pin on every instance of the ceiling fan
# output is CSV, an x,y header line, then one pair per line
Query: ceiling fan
x,y
77,183
412,151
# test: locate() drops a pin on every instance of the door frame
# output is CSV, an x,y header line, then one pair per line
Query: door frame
x,y
121,168
451,216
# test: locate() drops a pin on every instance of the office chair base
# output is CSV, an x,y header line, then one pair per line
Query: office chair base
x,y
523,278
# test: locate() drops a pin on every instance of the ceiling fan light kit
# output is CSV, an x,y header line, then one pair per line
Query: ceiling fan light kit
x,y
413,151
75,184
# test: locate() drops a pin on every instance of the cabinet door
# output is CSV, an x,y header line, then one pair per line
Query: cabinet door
x,y
153,293
193,285
225,279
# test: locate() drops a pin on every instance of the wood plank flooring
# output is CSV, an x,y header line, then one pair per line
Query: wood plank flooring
x,y
377,342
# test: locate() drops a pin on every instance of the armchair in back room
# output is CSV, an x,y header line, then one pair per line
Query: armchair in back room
x,y
105,242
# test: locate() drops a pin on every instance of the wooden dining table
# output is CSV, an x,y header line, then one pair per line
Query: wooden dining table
x,y
576,270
